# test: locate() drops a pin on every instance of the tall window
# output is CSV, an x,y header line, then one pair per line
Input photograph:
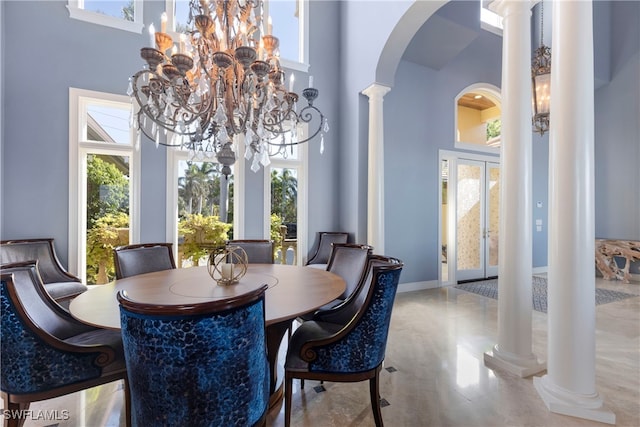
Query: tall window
x,y
121,14
103,171
285,184
290,25
201,207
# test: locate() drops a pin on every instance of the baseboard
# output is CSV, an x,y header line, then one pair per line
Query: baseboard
x,y
418,286
540,270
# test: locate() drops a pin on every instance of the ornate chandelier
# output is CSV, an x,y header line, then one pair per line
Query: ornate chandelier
x,y
541,77
222,79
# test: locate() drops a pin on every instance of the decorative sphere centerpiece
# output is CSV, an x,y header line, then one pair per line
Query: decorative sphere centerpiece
x,y
227,264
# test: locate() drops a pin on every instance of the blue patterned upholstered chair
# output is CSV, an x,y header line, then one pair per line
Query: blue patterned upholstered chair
x,y
61,285
141,258
202,364
348,352
258,251
320,257
45,352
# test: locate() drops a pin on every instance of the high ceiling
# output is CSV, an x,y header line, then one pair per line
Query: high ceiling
x,y
445,34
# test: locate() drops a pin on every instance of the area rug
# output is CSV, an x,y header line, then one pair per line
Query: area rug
x,y
489,288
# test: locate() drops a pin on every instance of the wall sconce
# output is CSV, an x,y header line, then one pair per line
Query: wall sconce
x,y
541,77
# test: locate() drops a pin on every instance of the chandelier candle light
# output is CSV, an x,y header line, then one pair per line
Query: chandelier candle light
x,y
220,80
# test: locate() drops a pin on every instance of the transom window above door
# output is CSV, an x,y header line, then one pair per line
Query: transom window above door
x,y
478,119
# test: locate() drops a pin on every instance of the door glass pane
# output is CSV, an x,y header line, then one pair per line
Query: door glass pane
x,y
468,215
284,213
107,213
493,215
106,123
205,210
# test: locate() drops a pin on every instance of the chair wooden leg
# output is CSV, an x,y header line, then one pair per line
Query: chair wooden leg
x,y
16,413
127,404
288,383
374,391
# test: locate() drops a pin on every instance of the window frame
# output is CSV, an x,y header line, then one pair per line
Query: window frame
x,y
490,20
79,148
77,11
302,166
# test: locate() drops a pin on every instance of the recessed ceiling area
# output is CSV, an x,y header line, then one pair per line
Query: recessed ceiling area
x,y
427,47
445,35
475,101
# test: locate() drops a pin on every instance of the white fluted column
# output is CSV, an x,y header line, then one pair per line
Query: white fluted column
x,y
513,352
569,386
375,174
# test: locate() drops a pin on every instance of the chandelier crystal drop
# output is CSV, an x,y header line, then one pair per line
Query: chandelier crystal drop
x,y
220,80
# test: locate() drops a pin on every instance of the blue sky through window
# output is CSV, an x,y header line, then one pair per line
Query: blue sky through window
x,y
109,7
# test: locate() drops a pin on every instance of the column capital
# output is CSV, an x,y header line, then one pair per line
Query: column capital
x,y
507,7
376,90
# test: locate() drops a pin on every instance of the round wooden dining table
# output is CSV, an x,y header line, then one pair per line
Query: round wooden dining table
x,y
292,291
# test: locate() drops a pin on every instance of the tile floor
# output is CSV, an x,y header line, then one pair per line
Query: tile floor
x,y
434,373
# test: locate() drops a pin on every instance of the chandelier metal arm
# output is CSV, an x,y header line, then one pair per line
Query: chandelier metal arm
x,y
225,81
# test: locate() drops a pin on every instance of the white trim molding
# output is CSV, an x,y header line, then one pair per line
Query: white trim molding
x,y
77,11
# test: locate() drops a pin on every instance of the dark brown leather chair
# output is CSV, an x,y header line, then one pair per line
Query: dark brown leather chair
x,y
258,251
320,257
61,285
141,258
345,311
349,261
45,352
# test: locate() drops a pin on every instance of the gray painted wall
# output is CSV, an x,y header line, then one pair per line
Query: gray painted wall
x,y
617,131
419,121
35,114
48,56
346,41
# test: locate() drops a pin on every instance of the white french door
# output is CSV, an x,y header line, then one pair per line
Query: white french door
x,y
477,206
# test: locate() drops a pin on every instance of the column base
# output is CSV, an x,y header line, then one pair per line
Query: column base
x,y
521,366
561,401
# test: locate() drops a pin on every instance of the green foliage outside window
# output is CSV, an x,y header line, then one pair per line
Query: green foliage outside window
x,y
109,232
107,189
493,129
128,12
275,231
201,234
107,214
284,195
199,191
